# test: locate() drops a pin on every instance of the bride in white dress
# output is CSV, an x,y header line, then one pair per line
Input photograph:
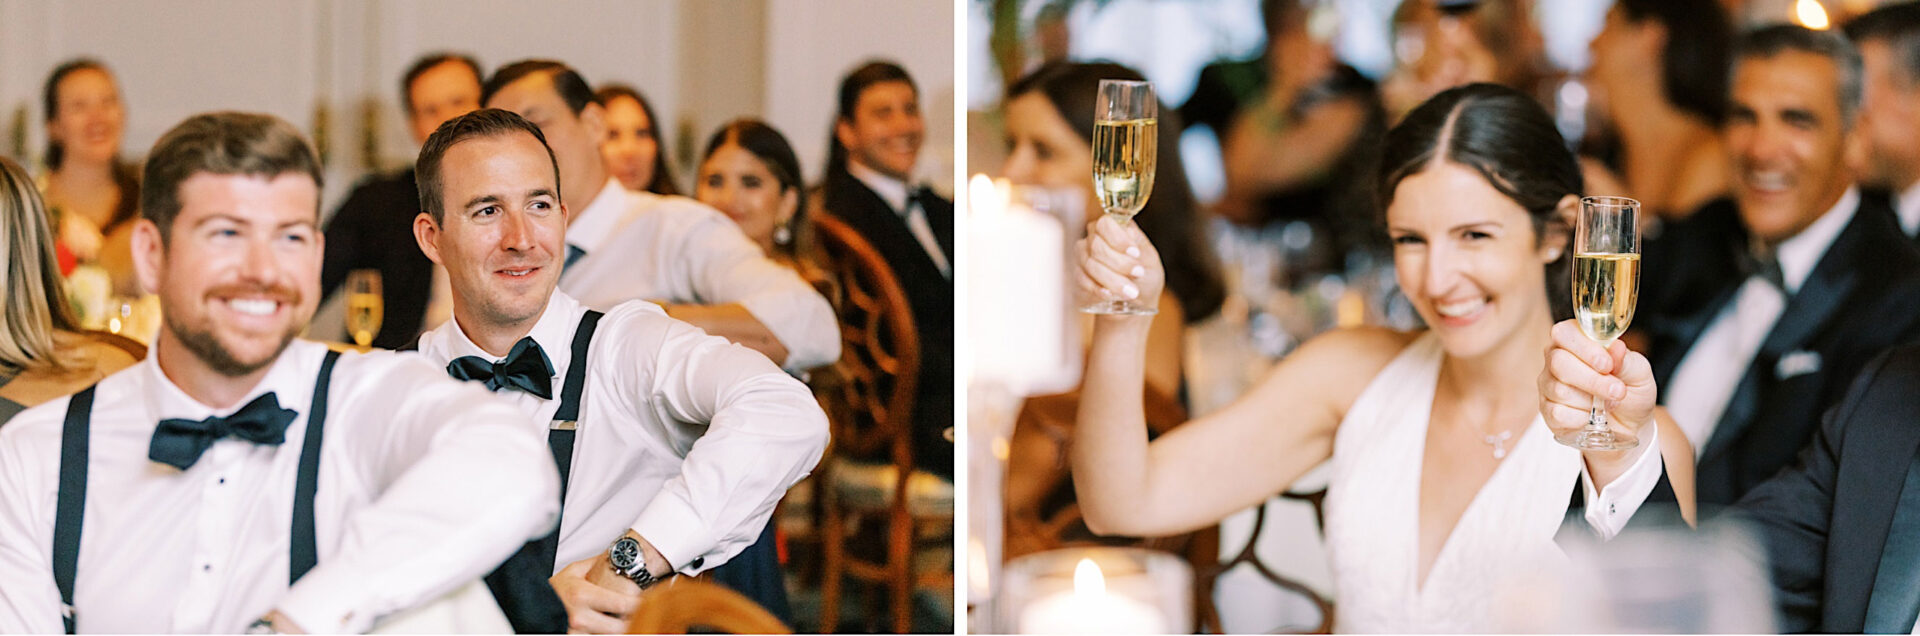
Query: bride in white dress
x,y
1446,483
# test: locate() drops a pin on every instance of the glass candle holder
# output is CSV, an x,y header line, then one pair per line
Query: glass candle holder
x,y
1096,590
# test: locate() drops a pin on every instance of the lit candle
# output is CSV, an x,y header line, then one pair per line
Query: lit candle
x,y
1016,290
1091,609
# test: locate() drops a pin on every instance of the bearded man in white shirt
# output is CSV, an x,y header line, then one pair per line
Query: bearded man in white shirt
x,y
685,442
683,254
187,468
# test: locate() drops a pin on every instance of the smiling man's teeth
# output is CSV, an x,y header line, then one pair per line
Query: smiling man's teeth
x,y
1463,308
253,307
516,272
1767,180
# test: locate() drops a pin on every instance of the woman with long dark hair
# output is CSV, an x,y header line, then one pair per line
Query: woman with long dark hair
x,y
634,151
1049,125
92,194
1445,482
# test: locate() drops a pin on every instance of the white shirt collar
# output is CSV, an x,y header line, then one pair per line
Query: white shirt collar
x,y
1906,203
553,332
592,225
1801,253
286,378
891,190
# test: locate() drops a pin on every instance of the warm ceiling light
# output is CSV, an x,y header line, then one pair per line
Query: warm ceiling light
x,y
1810,14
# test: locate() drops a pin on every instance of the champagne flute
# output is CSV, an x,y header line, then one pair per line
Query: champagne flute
x,y
1126,130
1606,283
364,306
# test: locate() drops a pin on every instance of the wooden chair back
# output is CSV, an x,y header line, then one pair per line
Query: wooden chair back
x,y
683,603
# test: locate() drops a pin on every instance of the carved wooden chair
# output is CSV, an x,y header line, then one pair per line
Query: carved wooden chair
x,y
681,604
870,492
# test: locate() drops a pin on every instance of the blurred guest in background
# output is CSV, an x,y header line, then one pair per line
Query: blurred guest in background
x,y
1668,122
1445,43
673,250
93,195
1889,41
750,173
373,228
876,139
1418,425
1296,127
1794,284
43,355
1049,119
633,151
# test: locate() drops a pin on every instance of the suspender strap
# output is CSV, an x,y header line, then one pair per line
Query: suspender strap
x,y
304,550
71,509
520,584
560,433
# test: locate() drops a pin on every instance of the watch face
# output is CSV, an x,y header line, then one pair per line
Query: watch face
x,y
625,553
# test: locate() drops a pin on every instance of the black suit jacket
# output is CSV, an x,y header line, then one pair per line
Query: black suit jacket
x,y
928,292
374,230
1826,520
1862,298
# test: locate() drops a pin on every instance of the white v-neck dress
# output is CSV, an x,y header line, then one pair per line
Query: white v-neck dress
x,y
1373,507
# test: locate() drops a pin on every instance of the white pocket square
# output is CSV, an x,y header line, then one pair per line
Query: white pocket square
x,y
1797,363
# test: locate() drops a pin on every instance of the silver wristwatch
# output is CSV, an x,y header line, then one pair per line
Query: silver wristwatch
x,y
626,559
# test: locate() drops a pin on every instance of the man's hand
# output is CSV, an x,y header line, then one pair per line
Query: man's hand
x,y
598,599
1578,369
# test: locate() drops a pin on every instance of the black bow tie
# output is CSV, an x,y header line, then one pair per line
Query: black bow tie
x,y
525,368
179,443
1766,265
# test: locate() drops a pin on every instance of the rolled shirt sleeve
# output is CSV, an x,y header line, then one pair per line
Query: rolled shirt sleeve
x,y
764,433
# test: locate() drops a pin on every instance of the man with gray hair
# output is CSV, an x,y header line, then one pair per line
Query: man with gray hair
x,y
1801,279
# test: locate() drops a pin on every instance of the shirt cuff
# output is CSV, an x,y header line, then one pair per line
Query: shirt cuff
x,y
320,608
1608,511
805,326
677,532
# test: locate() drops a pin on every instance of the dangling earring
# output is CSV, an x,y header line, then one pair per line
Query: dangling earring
x,y
783,233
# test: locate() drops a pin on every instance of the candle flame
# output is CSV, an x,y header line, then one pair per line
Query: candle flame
x,y
1810,14
984,196
1087,578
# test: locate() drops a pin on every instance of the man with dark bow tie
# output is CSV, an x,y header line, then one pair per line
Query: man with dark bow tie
x,y
1796,282
241,478
673,445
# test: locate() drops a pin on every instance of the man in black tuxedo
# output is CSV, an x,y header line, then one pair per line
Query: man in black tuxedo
x,y
1889,41
1795,284
374,227
876,139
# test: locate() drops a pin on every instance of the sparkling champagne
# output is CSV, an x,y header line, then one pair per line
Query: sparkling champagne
x,y
1123,162
363,317
1605,287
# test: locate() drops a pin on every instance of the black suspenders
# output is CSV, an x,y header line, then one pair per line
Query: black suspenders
x,y
520,584
71,510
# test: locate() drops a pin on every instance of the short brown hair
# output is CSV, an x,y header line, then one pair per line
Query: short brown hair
x,y
486,122
224,143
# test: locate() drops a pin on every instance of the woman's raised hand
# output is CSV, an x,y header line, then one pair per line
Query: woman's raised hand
x,y
1118,263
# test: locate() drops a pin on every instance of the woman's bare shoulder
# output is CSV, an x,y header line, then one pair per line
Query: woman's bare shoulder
x,y
1343,361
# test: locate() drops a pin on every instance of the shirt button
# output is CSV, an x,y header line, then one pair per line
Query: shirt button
x,y
206,567
696,562
1610,509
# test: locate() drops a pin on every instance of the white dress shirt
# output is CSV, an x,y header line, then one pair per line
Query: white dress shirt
x,y
1609,510
1906,205
895,193
425,484
644,246
1705,380
684,437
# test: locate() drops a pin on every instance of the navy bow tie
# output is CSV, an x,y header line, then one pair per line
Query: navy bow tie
x,y
525,368
179,443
